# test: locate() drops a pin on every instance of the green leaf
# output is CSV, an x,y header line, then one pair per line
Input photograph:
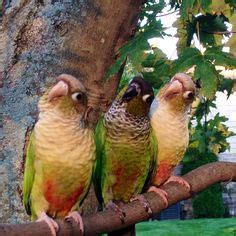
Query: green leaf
x,y
204,108
186,8
204,4
136,47
188,58
154,8
174,4
153,58
134,50
216,55
232,41
226,85
204,27
150,10
218,7
181,34
232,3
208,76
154,80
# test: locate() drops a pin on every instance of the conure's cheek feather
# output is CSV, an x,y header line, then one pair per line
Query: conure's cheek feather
x,y
137,97
81,108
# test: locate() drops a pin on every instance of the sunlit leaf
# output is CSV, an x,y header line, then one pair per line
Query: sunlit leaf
x,y
232,41
204,27
216,55
187,59
206,72
186,8
218,7
226,85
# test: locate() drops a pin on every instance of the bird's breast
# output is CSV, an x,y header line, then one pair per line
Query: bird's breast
x,y
172,135
63,141
64,158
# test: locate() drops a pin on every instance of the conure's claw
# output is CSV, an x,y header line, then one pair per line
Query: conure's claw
x,y
112,206
77,218
143,201
50,222
161,193
179,180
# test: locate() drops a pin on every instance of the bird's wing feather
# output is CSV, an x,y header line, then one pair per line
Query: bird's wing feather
x,y
153,161
29,173
100,137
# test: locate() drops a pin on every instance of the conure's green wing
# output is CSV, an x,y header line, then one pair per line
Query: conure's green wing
x,y
100,139
153,161
29,173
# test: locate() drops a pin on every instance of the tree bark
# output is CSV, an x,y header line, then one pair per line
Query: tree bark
x,y
39,40
107,221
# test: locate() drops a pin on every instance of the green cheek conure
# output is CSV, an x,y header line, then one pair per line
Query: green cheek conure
x,y
125,144
60,155
169,119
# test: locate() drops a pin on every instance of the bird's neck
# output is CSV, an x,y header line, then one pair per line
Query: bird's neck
x,y
137,107
117,116
62,107
174,113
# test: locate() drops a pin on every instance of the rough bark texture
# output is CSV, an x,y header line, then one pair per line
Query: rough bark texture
x,y
39,40
102,222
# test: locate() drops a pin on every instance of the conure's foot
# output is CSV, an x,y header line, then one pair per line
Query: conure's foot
x,y
179,180
50,222
143,201
112,206
77,218
161,193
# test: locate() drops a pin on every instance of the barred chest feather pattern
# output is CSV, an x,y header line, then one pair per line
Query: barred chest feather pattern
x,y
119,122
128,149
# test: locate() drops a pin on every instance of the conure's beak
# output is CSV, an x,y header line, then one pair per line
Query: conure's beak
x,y
174,87
131,92
58,90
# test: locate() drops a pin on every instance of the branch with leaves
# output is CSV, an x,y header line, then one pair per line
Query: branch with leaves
x,y
107,221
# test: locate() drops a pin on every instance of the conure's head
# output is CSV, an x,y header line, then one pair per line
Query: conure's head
x,y
68,96
179,93
137,97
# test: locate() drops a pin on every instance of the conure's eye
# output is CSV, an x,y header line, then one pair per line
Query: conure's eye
x,y
76,96
188,95
148,98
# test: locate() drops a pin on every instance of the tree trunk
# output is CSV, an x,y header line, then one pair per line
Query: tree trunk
x,y
40,40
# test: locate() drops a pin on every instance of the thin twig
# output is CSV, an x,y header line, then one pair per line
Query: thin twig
x,y
218,32
168,13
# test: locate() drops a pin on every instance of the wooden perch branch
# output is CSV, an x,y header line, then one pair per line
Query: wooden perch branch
x,y
107,221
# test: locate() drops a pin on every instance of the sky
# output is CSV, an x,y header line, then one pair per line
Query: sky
x,y
168,44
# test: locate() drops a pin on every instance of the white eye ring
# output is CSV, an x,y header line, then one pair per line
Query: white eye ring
x,y
188,95
76,96
145,97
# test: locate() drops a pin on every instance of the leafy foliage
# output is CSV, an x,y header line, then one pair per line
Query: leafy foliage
x,y
205,67
208,203
201,27
204,27
207,139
